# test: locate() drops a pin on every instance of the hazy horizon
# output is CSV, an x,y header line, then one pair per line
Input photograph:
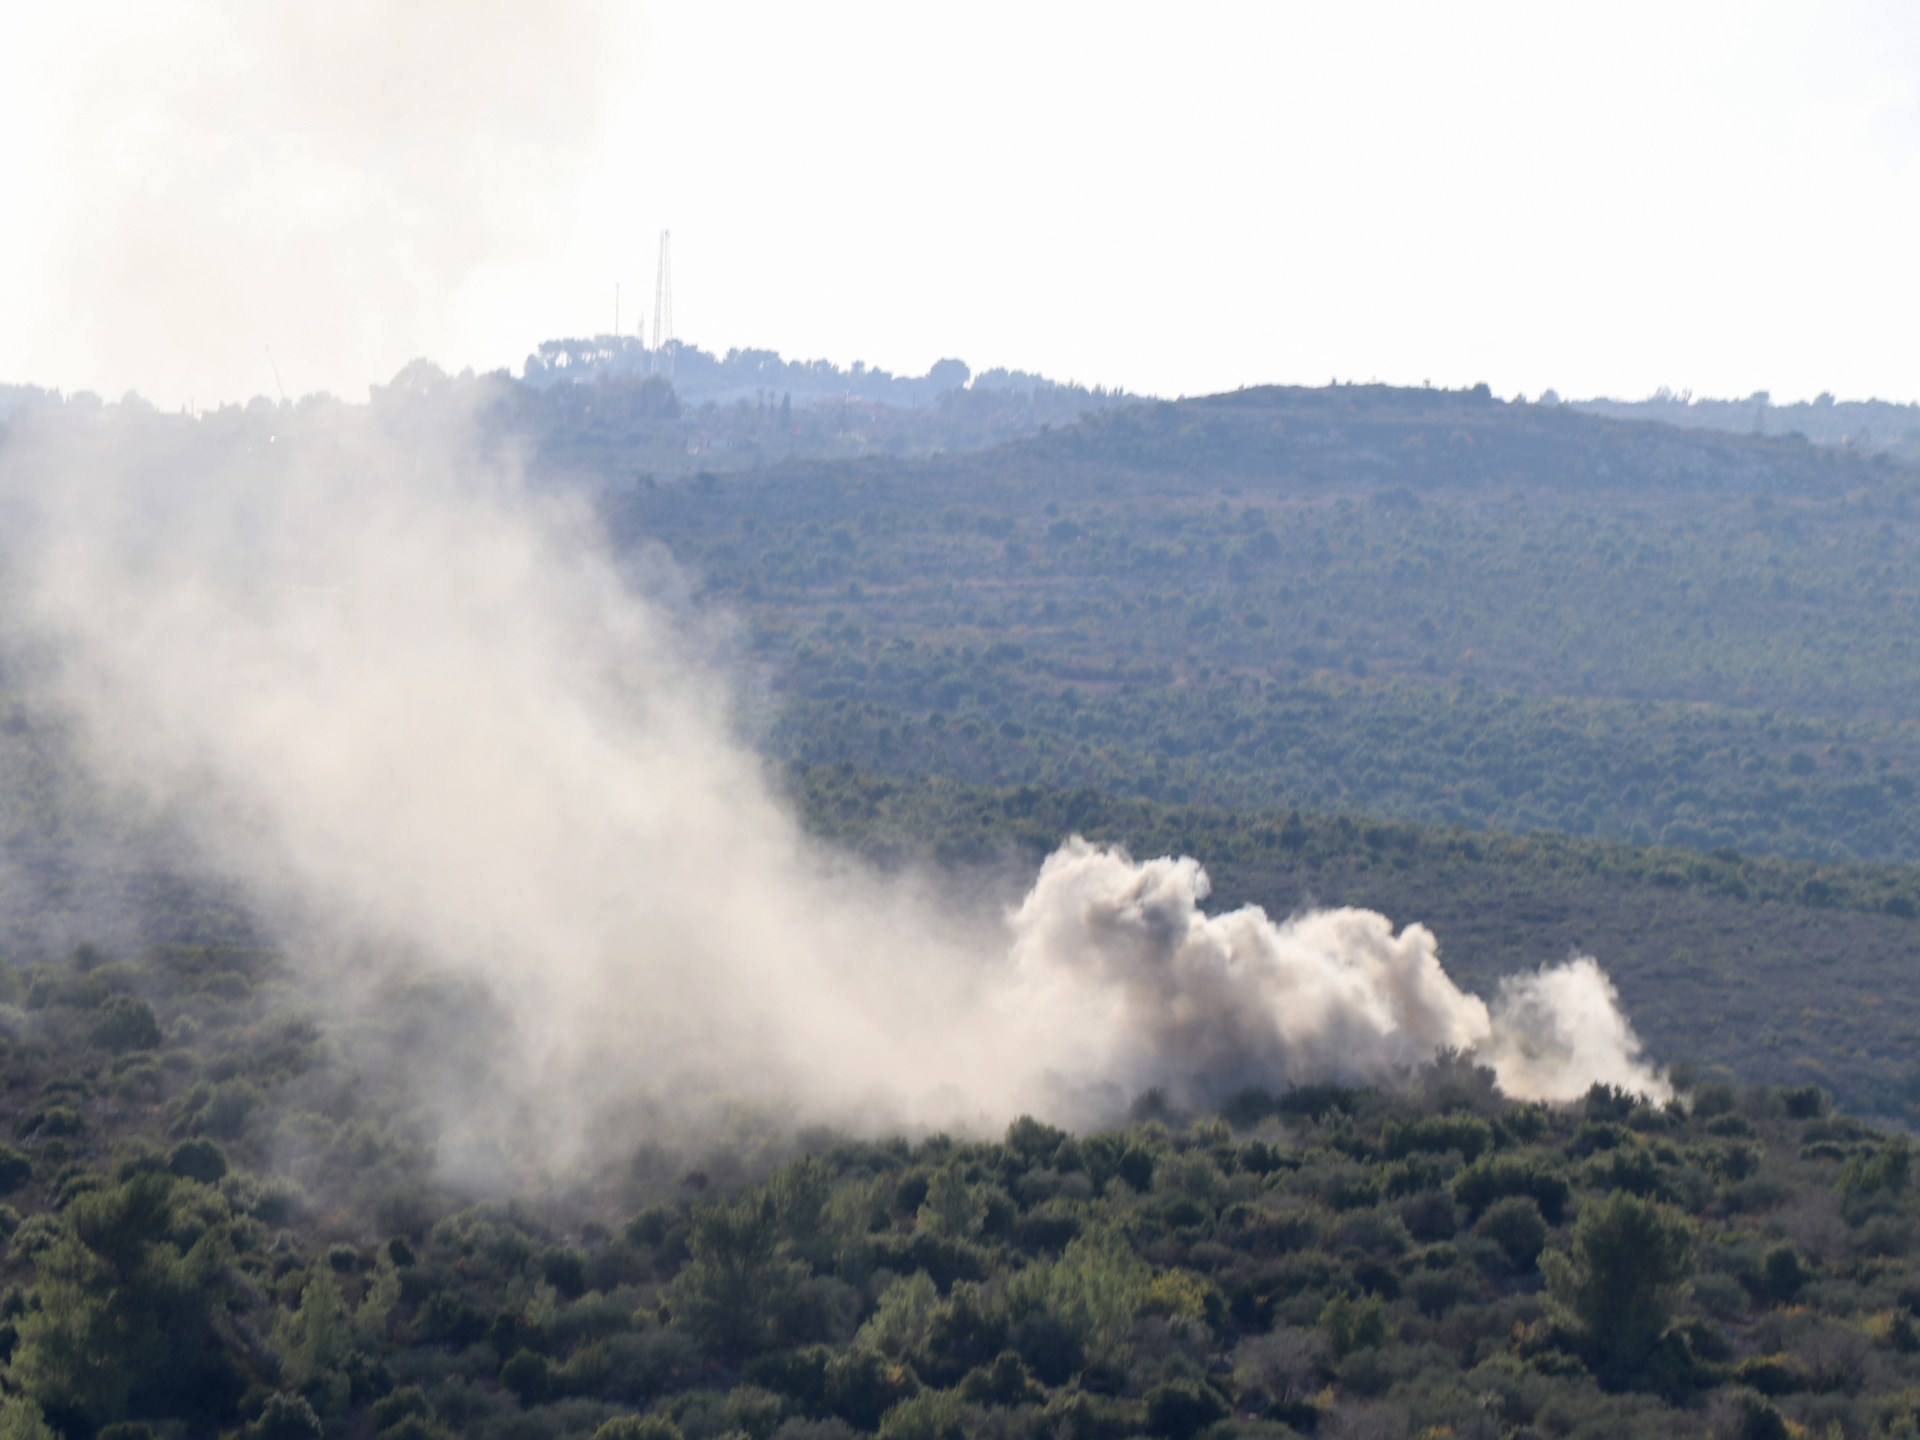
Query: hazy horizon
x,y
1598,202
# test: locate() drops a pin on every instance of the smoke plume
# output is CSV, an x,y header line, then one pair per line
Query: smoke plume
x,y
288,166
419,713
1165,996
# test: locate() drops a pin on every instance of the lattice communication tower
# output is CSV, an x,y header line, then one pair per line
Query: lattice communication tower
x,y
663,310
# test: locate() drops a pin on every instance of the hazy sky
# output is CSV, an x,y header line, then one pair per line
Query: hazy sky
x,y
1602,198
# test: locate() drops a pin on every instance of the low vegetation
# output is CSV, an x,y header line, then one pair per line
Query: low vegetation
x,y
1540,680
215,1226
1415,604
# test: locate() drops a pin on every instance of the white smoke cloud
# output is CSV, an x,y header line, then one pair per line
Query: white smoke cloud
x,y
1557,1032
1165,996
416,710
284,167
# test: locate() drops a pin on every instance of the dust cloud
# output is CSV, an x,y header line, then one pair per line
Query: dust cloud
x,y
414,707
339,183
1164,996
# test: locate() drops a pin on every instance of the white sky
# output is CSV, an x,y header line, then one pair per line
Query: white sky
x,y
1602,198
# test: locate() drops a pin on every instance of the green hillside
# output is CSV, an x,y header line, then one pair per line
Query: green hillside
x,y
1428,605
216,1225
1541,681
1744,969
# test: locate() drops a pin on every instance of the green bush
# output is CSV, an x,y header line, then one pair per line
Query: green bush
x,y
1621,1280
200,1160
398,1405
862,1386
1179,1409
15,1169
739,1278
124,1023
930,1415
1516,1225
286,1417
528,1376
1005,1383
1350,1325
638,1427
1498,1176
1782,1275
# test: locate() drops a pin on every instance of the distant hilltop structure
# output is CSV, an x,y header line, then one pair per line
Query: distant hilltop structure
x,y
1871,425
699,376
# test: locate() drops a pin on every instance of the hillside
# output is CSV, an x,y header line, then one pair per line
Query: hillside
x,y
215,1225
1868,425
1458,661
1420,604
1736,969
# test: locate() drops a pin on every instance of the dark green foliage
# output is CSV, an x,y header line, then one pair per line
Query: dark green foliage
x,y
220,1111
53,1122
1469,1135
753,1412
1516,1225
1108,1332
733,1290
415,1427
124,1023
1349,1324
1435,1292
930,1415
1642,1170
390,1410
566,1271
128,1312
860,1387
1355,1257
1621,1280
1007,1382
638,1427
16,1168
1500,1176
800,1376
1322,640
1804,1102
1887,1169
964,1332
528,1376
1605,1103
1180,1409
1783,1274
1745,1415
1486,653
945,1259
1431,1215
286,1417
200,1160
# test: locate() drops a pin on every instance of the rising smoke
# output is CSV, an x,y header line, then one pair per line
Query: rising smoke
x,y
1164,996
287,166
416,710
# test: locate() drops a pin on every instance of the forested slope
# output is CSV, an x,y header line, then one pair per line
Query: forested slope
x,y
1416,651
218,1222
1736,968
1420,604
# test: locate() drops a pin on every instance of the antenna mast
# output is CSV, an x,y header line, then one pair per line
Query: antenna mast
x,y
663,310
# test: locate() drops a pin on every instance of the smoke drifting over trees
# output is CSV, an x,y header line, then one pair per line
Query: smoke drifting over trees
x,y
433,729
